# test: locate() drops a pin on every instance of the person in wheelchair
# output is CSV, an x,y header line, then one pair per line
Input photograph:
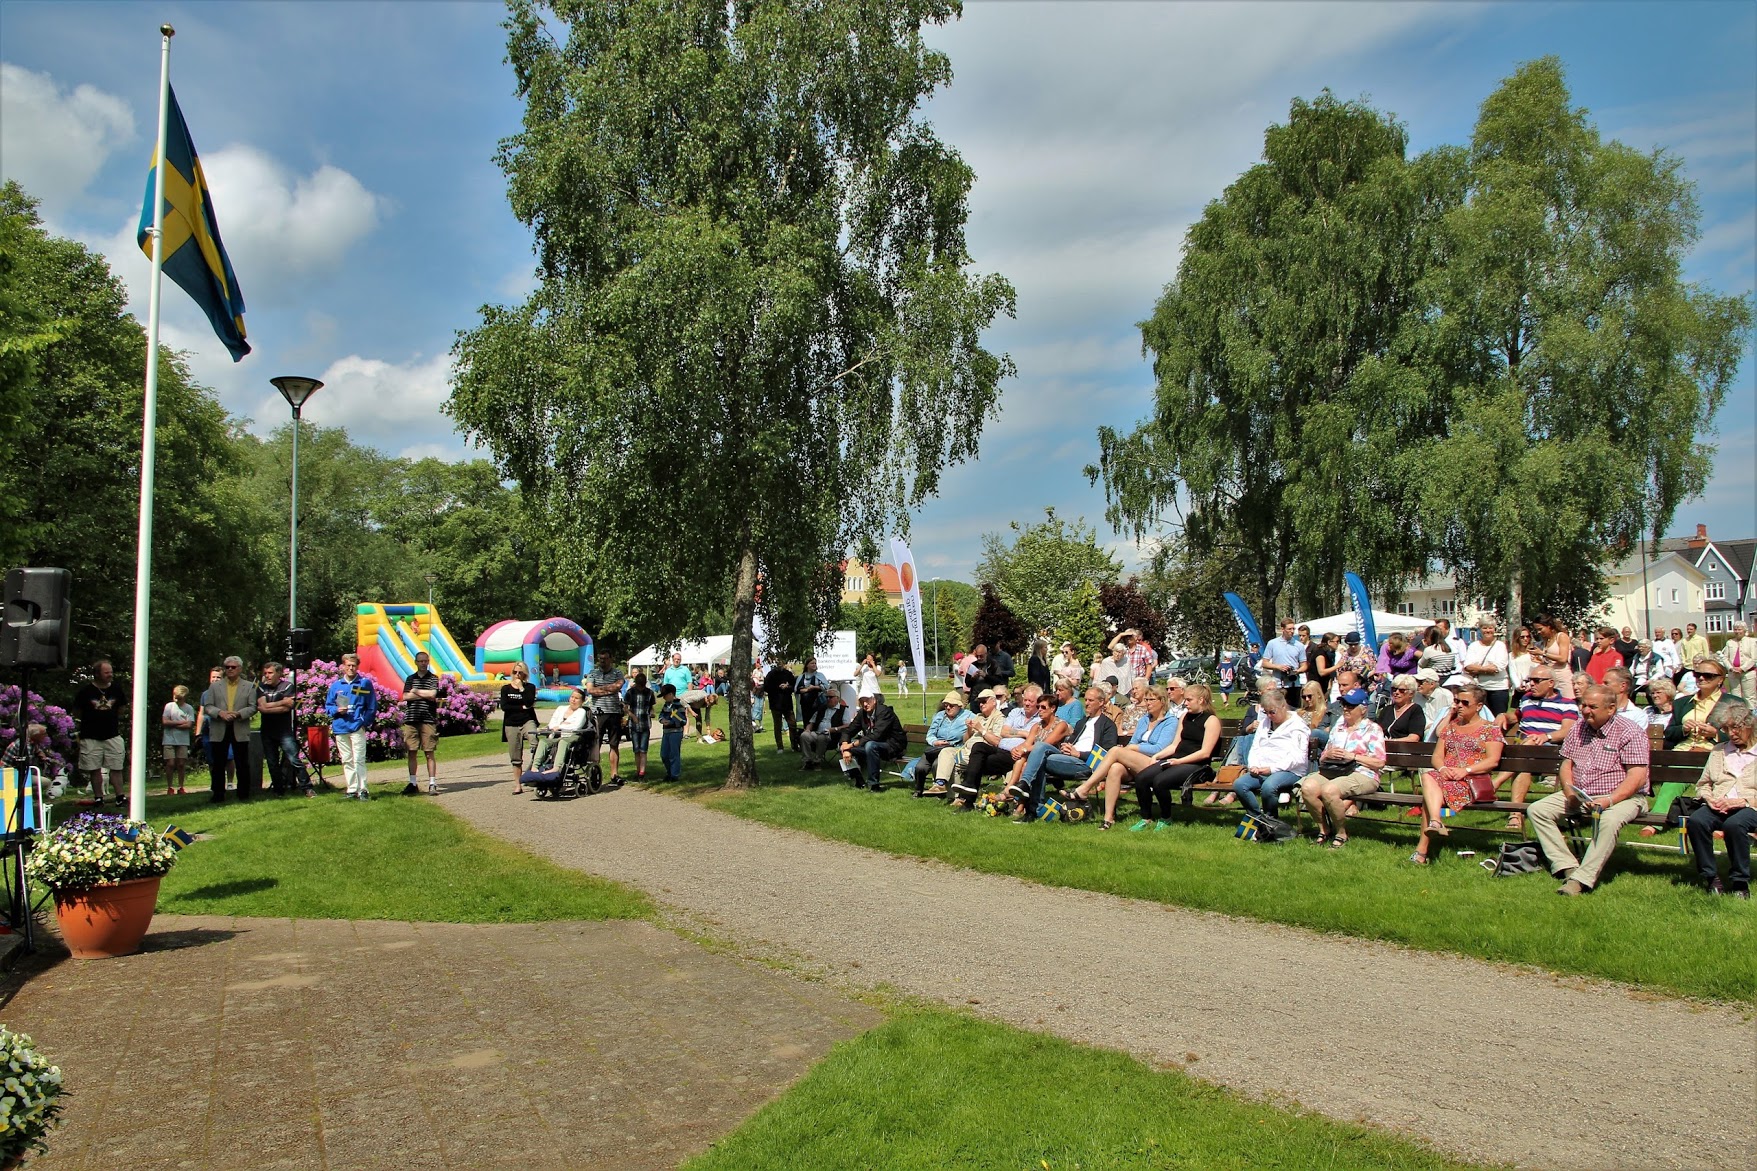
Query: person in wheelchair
x,y
565,724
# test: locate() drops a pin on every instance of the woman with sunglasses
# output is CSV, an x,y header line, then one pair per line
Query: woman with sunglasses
x,y
1467,748
1699,723
1150,743
1555,649
518,725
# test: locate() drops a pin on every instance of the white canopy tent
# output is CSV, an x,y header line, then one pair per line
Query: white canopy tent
x,y
714,650
1383,623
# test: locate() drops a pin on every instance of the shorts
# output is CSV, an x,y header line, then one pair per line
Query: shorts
x,y
609,730
102,754
176,753
422,737
639,735
1355,784
515,740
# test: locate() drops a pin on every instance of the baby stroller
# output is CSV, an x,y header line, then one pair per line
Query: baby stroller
x,y
578,770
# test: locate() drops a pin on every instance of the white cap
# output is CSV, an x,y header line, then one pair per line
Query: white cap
x,y
869,687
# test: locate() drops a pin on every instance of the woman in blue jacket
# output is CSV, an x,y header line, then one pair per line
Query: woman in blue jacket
x,y
1154,740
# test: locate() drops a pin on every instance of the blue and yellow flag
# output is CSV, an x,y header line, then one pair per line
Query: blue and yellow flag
x,y
194,257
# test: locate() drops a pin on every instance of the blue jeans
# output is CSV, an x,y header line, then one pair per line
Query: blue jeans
x,y
756,708
1047,761
1241,748
1249,785
869,757
671,752
280,762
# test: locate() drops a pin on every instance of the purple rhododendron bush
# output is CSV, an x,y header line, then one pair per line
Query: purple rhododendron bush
x,y
60,751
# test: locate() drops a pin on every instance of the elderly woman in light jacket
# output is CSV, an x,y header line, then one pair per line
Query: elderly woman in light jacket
x,y
1728,790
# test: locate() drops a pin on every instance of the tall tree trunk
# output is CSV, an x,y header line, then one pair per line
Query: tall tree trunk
x,y
740,738
1515,603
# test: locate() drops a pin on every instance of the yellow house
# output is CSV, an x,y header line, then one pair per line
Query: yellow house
x,y
857,578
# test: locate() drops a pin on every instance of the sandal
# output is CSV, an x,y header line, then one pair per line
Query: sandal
x,y
1434,827
1323,839
1339,841
1516,823
1104,825
1419,859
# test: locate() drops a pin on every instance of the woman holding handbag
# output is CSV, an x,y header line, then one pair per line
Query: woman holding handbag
x,y
1466,750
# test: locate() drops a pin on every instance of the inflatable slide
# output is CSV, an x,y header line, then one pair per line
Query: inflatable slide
x,y
557,653
389,636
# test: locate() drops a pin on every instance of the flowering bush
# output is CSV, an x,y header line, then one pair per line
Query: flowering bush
x,y
29,1096
97,849
59,723
460,709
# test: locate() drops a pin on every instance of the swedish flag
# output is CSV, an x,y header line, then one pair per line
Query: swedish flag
x,y
194,257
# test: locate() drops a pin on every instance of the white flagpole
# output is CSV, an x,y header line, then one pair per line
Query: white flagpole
x,y
143,565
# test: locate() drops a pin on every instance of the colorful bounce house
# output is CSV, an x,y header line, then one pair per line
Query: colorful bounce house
x,y
556,652
391,635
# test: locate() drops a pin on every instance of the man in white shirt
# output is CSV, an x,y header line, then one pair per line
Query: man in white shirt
x,y
1622,681
1457,646
1278,756
1484,663
1116,668
1436,701
1667,650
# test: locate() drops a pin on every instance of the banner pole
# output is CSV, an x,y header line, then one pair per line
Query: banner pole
x,y
143,567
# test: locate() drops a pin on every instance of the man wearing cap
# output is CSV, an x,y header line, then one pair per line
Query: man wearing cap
x,y
1348,767
228,705
872,737
994,753
421,723
1436,701
828,720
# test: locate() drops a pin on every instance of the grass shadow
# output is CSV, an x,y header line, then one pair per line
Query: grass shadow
x,y
226,890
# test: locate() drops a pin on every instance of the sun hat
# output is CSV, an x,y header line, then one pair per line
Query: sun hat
x,y
953,698
869,688
1427,675
985,693
1352,638
1354,696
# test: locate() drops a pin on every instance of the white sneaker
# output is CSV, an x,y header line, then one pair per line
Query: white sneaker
x,y
433,788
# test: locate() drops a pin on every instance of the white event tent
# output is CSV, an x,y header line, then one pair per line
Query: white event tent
x,y
714,650
1383,623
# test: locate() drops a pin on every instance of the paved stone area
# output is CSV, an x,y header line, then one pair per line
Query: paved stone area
x,y
262,1043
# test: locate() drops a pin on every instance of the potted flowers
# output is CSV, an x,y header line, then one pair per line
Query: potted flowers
x,y
29,1097
104,871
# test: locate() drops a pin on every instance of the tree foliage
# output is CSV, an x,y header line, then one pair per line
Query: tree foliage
x,y
1484,357
1583,368
996,625
1126,607
1036,571
753,261
945,632
1083,623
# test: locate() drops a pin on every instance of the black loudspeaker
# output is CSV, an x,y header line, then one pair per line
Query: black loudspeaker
x,y
33,632
299,649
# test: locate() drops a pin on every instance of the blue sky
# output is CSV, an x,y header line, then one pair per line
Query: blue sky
x,y
351,152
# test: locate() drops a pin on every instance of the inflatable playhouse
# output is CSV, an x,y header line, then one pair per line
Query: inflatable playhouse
x,y
556,652
390,635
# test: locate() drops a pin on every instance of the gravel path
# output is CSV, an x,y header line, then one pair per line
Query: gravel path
x,y
1483,1061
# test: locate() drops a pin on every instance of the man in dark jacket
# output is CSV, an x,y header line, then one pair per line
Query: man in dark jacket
x,y
778,690
1065,757
872,737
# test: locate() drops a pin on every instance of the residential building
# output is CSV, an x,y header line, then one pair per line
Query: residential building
x,y
1728,593
857,577
1647,594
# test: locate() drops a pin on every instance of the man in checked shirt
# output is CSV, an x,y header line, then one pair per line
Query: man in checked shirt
x,y
1603,772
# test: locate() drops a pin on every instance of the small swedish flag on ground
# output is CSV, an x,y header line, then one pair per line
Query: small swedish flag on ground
x,y
177,837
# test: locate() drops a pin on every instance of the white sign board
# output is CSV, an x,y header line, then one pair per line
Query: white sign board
x,y
835,655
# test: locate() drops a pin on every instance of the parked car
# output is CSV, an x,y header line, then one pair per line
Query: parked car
x,y
1190,668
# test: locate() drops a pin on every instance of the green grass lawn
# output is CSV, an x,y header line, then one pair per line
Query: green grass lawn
x,y
393,858
1648,924
937,1089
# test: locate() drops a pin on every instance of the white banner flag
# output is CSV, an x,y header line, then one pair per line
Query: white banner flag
x,y
905,561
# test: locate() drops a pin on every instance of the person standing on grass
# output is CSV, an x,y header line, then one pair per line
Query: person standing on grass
x,y
280,753
756,694
99,706
605,685
421,723
229,705
1604,777
1739,657
518,720
778,687
812,688
1485,664
352,704
637,704
672,721
177,718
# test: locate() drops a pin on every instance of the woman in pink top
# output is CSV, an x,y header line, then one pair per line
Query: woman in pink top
x,y
1557,650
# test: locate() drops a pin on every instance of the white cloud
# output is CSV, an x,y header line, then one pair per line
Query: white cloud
x,y
54,141
279,227
393,406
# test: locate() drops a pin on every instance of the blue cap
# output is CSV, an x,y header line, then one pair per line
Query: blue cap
x,y
1354,697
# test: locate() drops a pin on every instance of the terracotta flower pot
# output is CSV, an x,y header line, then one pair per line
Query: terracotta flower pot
x,y
107,921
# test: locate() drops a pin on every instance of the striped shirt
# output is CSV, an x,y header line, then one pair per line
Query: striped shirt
x,y
1603,756
1541,717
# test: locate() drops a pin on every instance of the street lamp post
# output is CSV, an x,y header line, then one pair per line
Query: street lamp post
x,y
431,578
296,390
936,626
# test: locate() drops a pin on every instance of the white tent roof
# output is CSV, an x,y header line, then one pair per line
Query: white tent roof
x,y
1383,623
713,650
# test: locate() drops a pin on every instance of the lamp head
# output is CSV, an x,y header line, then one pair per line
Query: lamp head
x,y
296,389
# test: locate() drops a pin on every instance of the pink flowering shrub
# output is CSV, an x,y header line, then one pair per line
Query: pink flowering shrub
x,y
60,750
460,710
